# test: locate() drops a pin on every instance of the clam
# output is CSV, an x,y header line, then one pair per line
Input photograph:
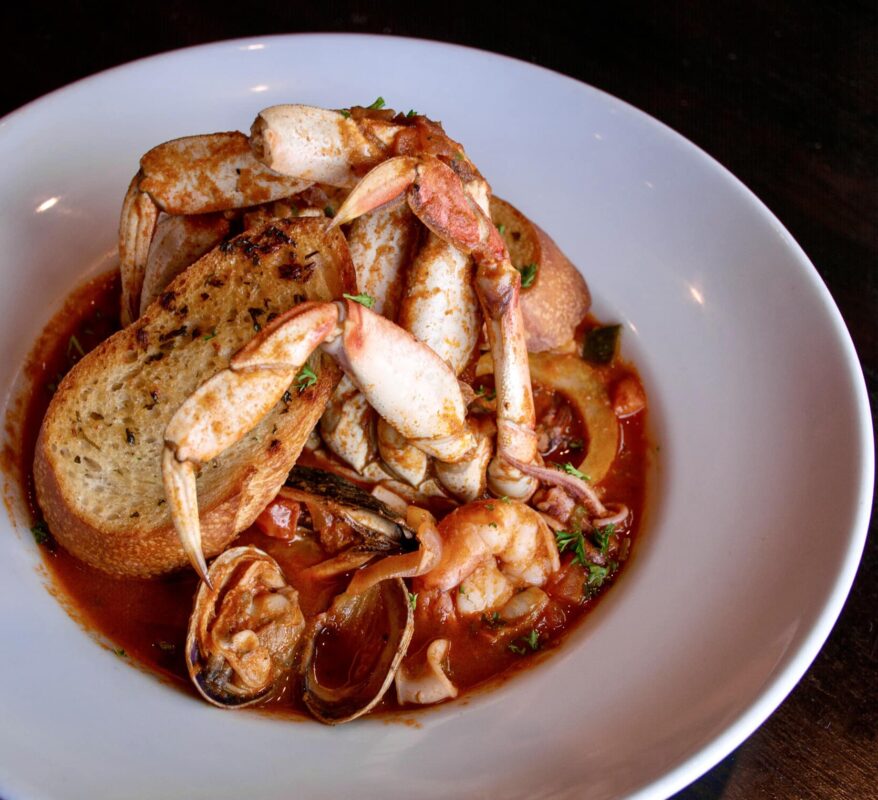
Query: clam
x,y
243,633
355,651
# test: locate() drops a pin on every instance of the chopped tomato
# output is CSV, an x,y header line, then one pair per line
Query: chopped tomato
x,y
279,519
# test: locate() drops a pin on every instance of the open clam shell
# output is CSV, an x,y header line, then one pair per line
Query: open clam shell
x,y
355,650
244,632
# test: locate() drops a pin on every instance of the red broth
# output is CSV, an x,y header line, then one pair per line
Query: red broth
x,y
146,619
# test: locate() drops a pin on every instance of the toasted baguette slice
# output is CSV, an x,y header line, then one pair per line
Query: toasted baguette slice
x,y
558,299
98,457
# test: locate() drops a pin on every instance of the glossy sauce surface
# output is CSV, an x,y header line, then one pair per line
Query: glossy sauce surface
x,y
146,620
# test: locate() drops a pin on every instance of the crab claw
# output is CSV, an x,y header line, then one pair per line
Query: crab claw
x,y
408,384
179,480
437,197
382,185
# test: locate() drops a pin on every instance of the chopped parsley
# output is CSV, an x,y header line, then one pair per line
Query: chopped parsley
x,y
306,378
501,228
571,470
528,275
119,651
208,336
602,344
345,113
505,499
378,104
575,541
602,537
483,392
596,577
329,211
413,600
74,344
532,640
494,620
411,113
40,532
362,299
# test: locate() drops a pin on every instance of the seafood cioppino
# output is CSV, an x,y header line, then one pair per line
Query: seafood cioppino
x,y
359,402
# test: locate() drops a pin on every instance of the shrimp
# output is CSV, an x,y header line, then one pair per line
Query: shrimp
x,y
490,550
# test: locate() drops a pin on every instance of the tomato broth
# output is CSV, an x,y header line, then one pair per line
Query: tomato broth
x,y
145,620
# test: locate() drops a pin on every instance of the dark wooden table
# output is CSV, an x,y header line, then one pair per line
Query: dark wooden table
x,y
784,94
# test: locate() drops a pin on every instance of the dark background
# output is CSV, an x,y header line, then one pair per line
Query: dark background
x,y
784,94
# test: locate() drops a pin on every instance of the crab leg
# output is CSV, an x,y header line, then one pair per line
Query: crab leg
x,y
405,382
381,245
437,197
440,306
192,175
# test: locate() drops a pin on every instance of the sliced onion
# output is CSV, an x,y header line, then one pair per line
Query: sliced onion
x,y
582,386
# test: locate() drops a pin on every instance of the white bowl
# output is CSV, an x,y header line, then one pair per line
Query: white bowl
x,y
759,505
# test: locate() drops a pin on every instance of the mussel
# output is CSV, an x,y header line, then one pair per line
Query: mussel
x,y
378,527
243,633
356,648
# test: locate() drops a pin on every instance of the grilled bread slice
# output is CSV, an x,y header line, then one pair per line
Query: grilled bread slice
x,y
98,457
557,300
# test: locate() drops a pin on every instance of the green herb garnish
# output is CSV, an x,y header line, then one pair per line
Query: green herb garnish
x,y
208,336
345,113
413,600
74,343
411,113
532,640
528,275
362,299
119,651
575,541
602,536
601,344
40,532
379,103
571,470
306,378
596,577
329,211
493,621
501,228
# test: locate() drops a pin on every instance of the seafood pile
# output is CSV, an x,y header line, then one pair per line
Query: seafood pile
x,y
437,492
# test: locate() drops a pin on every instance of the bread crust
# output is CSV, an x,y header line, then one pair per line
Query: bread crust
x,y
558,299
263,267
